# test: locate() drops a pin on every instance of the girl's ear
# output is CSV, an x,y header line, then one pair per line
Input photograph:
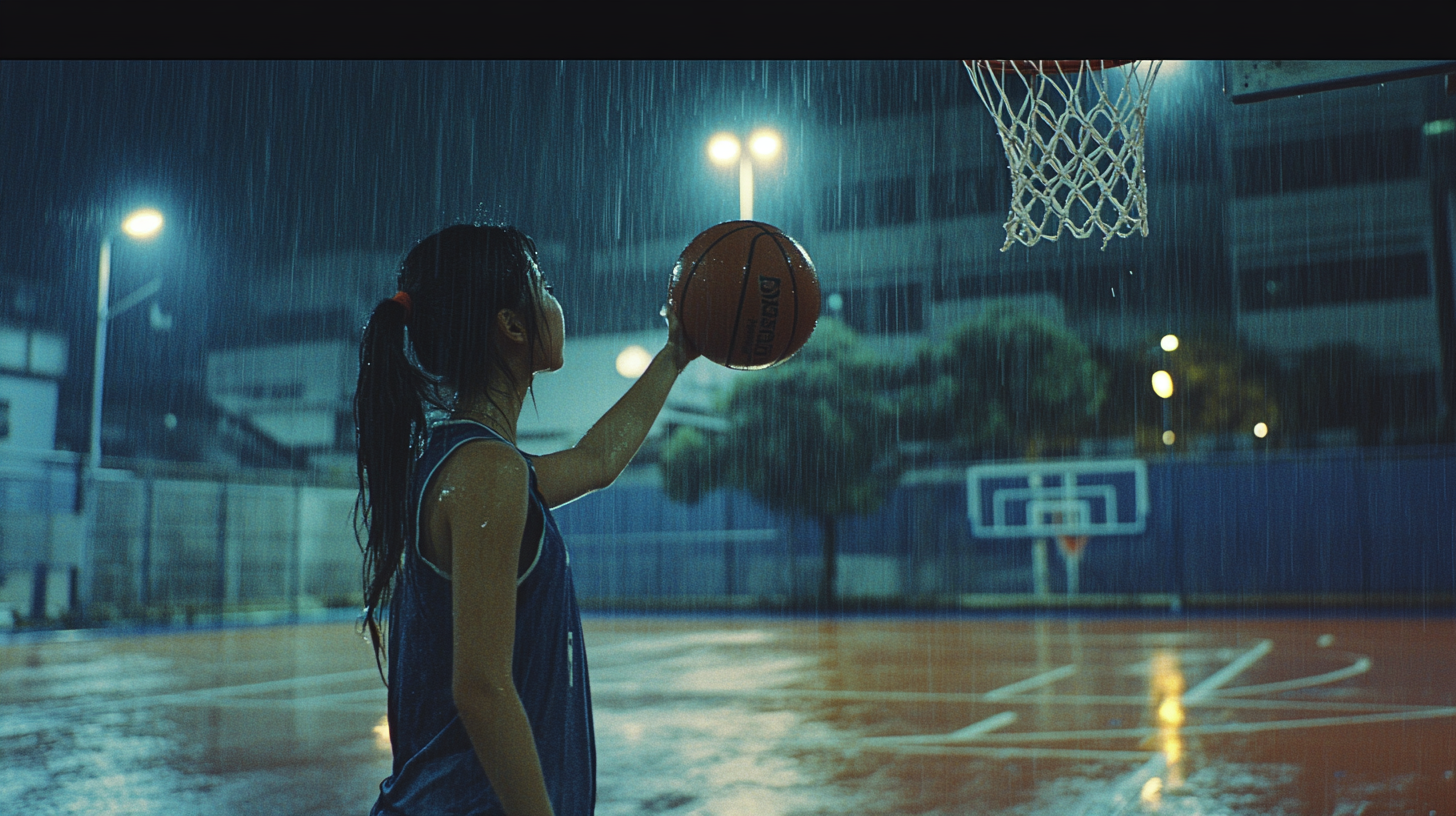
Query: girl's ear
x,y
510,326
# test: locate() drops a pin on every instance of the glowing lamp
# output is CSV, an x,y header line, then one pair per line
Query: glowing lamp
x,y
1163,384
765,144
633,361
142,224
723,148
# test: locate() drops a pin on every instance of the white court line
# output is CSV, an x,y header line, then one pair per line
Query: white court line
x,y
1220,728
43,717
720,637
1043,679
967,734
1010,752
991,723
1126,792
931,745
285,683
1358,667
607,690
987,725
1219,678
611,690
293,703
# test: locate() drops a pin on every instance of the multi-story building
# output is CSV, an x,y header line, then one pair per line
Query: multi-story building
x,y
1298,223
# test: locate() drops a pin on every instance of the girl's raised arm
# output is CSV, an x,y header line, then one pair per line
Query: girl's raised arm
x,y
601,455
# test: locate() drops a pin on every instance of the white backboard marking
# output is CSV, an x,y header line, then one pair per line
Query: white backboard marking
x,y
1040,499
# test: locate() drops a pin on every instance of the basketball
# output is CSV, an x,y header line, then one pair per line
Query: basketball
x,y
746,294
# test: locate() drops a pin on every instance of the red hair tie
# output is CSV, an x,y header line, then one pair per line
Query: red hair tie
x,y
403,299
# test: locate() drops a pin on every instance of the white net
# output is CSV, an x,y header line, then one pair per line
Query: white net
x,y
1074,143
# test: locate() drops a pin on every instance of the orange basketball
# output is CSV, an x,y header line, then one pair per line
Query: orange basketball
x,y
746,294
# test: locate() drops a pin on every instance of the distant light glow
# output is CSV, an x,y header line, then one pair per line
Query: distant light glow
x,y
381,734
1261,429
765,144
723,148
142,223
836,302
633,361
1163,384
1439,126
1169,342
1152,792
1168,437
1168,684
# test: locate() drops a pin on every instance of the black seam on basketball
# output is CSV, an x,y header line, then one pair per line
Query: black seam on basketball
x,y
694,271
794,286
743,295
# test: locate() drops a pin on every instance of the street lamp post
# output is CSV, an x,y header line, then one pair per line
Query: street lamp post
x,y
142,224
724,149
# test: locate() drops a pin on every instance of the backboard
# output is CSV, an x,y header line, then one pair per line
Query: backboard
x,y
1260,80
1074,498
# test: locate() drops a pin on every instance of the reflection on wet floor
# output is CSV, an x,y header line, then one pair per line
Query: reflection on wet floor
x,y
759,716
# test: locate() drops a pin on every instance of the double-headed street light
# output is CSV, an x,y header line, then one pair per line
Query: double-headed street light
x,y
724,149
141,225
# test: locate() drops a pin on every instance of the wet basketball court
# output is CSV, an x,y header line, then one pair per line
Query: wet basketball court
x,y
746,715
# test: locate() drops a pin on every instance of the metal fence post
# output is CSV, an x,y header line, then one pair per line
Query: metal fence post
x,y
295,566
227,579
144,558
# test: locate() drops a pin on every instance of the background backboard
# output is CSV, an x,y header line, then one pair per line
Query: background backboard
x,y
1039,499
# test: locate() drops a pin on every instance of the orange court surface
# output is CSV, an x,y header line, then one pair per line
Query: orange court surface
x,y
1056,714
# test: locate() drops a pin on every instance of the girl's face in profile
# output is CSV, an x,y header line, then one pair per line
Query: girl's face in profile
x,y
555,340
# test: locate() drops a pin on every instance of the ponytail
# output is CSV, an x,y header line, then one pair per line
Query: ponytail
x,y
451,284
389,415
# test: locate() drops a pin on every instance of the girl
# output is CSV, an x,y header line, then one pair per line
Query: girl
x,y
489,705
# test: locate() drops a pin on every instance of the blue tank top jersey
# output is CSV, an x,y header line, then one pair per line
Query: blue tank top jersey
x,y
435,768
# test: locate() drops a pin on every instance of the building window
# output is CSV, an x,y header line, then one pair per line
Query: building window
x,y
1356,280
269,391
886,202
862,204
894,201
889,309
1330,161
967,191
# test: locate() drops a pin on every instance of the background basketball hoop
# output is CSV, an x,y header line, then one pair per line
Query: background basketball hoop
x,y
1073,131
1072,546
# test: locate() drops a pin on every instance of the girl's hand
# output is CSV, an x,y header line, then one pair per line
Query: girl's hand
x,y
682,351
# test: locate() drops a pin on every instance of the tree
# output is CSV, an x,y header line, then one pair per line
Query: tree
x,y
1008,382
1338,386
1220,387
813,437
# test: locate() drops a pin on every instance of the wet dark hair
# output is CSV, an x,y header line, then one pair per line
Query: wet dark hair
x,y
457,281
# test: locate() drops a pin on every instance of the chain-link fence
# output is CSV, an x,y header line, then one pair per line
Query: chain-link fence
x,y
162,548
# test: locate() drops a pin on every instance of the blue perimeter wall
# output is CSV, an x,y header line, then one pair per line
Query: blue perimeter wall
x,y
1346,522
1377,521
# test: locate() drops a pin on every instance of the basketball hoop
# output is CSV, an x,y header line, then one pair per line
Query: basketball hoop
x,y
1073,132
1072,546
